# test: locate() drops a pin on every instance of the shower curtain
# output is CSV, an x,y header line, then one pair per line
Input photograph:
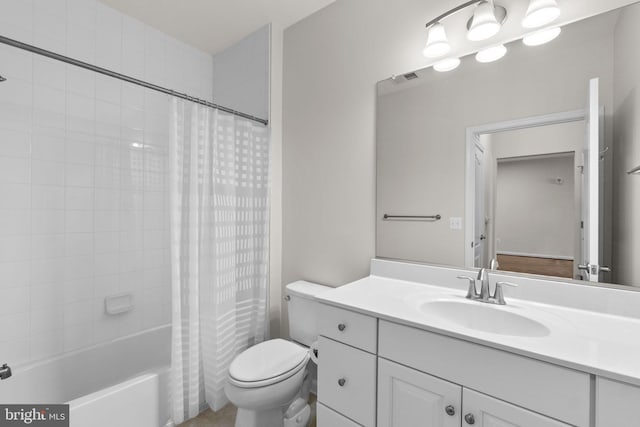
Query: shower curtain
x,y
219,249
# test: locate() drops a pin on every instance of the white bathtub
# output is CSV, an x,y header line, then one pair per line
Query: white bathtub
x,y
123,383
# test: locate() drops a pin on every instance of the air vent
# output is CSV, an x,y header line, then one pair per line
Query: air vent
x,y
410,76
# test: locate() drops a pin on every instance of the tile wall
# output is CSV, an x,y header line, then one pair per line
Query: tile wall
x,y
83,175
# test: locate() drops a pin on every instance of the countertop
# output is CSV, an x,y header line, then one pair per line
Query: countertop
x,y
600,344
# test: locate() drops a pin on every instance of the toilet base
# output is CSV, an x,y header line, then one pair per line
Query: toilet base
x,y
266,418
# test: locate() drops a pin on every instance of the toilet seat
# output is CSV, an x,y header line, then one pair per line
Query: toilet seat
x,y
267,363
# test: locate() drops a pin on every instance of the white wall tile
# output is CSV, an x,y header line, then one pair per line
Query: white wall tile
x,y
19,298
83,174
44,172
15,143
79,221
46,319
44,271
79,198
77,290
47,197
14,222
14,326
14,170
78,244
14,274
48,221
80,148
15,248
49,72
45,345
78,175
77,336
15,196
44,246
82,12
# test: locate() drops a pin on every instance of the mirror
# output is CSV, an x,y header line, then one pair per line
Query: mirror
x,y
526,119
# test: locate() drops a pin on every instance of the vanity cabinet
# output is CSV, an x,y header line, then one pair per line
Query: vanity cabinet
x,y
407,397
616,403
374,372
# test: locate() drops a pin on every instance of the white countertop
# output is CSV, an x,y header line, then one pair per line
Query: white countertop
x,y
600,344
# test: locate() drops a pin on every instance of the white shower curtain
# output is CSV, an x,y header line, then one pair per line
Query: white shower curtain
x,y
219,249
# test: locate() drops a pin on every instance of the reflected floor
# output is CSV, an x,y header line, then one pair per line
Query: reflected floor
x,y
226,417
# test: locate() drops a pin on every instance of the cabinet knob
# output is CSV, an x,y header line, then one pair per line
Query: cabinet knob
x,y
450,410
341,382
470,419
342,327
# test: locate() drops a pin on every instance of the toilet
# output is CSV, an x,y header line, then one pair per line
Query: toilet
x,y
269,383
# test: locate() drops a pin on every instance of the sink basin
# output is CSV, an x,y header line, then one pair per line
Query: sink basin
x,y
484,317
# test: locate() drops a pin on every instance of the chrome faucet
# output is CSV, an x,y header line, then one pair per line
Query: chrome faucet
x,y
485,293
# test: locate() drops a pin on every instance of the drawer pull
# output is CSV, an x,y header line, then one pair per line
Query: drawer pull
x,y
342,327
450,410
341,382
470,419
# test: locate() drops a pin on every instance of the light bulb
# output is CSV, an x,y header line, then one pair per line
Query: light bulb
x,y
491,54
447,64
541,37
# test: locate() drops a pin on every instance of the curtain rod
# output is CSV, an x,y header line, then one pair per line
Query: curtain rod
x,y
107,72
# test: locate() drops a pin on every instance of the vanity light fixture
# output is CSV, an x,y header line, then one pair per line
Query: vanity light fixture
x,y
437,43
486,21
448,64
541,37
540,13
491,54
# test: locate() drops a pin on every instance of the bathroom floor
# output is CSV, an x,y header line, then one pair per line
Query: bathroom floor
x,y
226,417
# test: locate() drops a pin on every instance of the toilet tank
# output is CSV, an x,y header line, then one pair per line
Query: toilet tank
x,y
303,321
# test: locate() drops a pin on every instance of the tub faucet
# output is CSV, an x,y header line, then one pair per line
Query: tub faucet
x,y
5,372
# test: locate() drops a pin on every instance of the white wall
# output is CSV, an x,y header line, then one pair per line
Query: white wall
x,y
83,175
241,75
626,206
535,215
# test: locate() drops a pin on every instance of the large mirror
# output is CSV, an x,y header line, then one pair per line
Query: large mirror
x,y
524,160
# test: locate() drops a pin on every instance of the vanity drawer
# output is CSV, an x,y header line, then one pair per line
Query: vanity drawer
x,y
548,389
355,329
328,418
347,380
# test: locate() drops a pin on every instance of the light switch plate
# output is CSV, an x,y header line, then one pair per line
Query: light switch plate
x,y
455,223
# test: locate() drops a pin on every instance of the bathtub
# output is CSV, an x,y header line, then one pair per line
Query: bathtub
x,y
123,383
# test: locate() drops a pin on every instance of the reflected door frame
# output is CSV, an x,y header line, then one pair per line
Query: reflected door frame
x,y
472,135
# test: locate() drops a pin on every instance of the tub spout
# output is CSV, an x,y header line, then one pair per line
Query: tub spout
x,y
5,372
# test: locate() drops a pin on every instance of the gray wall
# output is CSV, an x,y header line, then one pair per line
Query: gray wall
x,y
241,75
535,215
627,142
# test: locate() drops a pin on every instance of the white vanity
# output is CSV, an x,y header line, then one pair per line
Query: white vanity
x,y
404,347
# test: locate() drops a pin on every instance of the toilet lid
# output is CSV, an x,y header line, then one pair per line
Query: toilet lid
x,y
266,360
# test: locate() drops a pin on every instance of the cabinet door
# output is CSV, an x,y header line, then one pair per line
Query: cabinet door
x,y
481,410
616,403
407,397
